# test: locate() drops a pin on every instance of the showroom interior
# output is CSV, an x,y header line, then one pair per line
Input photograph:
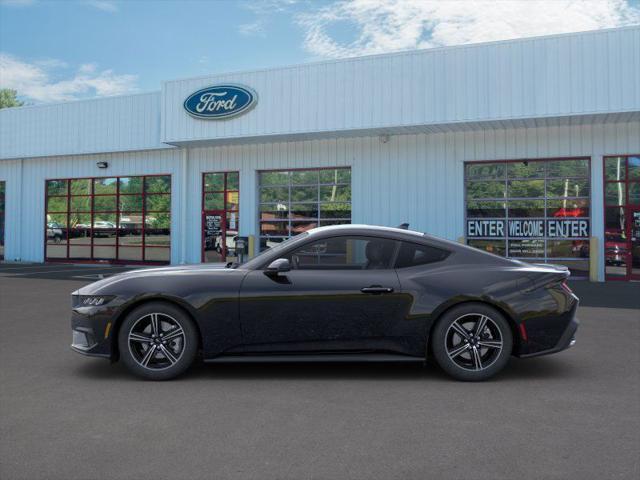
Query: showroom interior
x,y
526,148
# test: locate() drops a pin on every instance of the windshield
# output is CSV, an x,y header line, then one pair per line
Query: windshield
x,y
273,251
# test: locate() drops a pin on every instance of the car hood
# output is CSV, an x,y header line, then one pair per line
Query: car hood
x,y
177,271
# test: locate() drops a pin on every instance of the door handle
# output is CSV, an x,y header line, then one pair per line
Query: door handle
x,y
376,290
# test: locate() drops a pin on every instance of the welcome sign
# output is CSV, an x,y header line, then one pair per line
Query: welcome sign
x,y
528,228
220,101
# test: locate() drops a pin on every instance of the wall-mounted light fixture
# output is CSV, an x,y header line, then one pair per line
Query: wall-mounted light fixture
x,y
384,138
102,164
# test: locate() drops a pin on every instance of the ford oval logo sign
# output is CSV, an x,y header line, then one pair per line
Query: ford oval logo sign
x,y
220,101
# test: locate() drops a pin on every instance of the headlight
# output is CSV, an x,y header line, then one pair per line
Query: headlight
x,y
91,300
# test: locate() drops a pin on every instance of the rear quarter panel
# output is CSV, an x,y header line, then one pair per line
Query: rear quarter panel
x,y
512,289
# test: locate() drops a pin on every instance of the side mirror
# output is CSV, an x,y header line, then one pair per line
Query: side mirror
x,y
279,265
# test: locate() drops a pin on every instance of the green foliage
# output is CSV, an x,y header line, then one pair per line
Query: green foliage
x,y
8,98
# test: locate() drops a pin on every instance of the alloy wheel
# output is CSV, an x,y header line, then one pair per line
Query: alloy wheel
x,y
473,341
156,341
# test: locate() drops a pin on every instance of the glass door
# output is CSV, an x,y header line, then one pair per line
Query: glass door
x,y
622,217
220,222
2,208
634,262
213,229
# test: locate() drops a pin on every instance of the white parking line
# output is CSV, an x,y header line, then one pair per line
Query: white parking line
x,y
51,271
23,267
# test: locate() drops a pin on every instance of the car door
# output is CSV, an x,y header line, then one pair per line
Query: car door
x,y
341,294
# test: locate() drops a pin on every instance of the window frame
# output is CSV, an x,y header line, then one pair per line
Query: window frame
x,y
117,212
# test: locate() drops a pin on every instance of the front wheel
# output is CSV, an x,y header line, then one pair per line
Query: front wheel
x,y
158,341
472,342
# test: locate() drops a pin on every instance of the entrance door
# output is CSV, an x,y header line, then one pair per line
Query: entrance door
x,y
634,243
622,217
220,222
213,233
219,231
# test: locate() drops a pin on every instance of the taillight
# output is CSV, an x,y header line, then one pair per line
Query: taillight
x,y
565,287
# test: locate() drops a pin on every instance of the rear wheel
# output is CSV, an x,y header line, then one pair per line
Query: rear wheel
x,y
158,341
472,342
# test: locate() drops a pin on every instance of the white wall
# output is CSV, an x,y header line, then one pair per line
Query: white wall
x,y
25,202
413,178
554,76
111,124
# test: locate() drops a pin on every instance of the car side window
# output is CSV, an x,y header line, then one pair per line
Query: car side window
x,y
344,253
413,254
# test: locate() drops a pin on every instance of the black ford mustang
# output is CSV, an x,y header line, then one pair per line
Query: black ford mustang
x,y
334,293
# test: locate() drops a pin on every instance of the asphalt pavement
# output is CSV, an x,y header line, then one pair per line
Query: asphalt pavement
x,y
574,415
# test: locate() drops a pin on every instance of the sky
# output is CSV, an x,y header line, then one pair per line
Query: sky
x,y
59,50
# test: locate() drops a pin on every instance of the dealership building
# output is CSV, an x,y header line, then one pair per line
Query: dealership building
x,y
528,148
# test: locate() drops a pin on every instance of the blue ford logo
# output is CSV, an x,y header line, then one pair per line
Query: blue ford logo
x,y
220,101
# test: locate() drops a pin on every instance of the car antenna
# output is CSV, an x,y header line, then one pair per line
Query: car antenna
x,y
404,226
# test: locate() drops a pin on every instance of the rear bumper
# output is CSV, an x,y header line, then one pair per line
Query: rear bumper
x,y
567,340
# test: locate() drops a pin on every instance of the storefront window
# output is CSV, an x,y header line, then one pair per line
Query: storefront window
x,y
622,217
116,219
2,210
536,210
292,202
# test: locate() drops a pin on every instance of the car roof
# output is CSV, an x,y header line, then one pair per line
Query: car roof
x,y
369,228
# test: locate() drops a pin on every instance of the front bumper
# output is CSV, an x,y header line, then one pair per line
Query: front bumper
x,y
92,330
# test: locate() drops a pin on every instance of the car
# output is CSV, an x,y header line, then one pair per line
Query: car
x,y
104,229
335,293
54,232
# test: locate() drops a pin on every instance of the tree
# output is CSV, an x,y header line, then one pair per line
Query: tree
x,y
8,98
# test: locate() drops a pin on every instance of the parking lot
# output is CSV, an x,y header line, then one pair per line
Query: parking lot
x,y
63,416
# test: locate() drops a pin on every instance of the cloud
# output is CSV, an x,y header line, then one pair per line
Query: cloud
x,y
388,25
252,29
51,63
269,6
104,5
36,81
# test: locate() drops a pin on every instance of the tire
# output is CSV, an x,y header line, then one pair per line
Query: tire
x,y
463,352
159,349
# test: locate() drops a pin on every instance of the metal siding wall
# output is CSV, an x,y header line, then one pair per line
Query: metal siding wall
x,y
10,172
415,178
30,221
89,126
583,73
